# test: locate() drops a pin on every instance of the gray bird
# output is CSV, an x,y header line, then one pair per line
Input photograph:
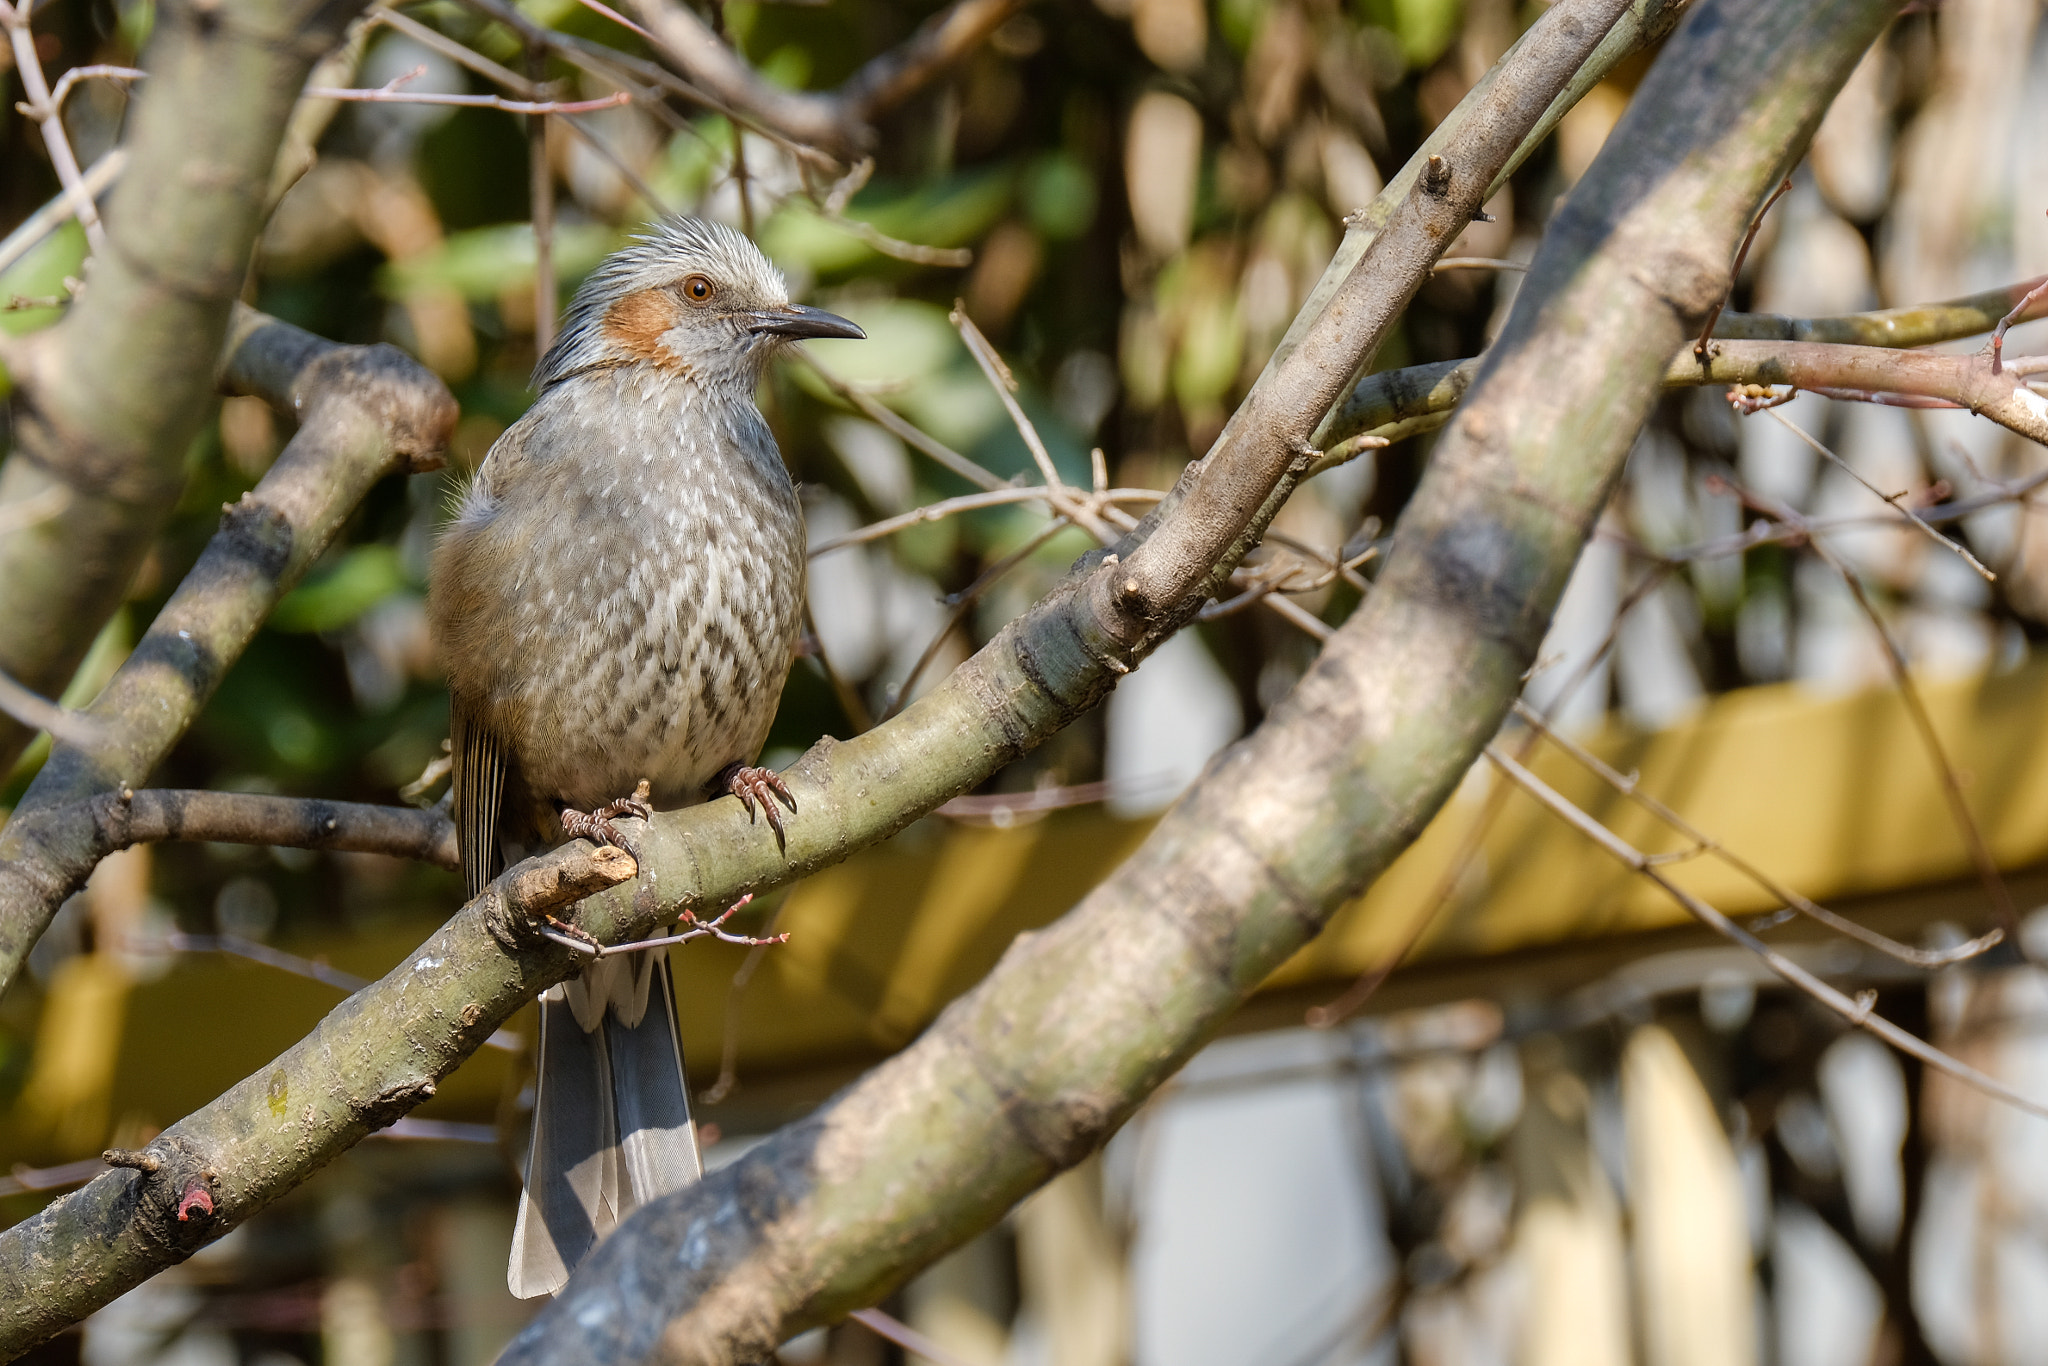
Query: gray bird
x,y
617,601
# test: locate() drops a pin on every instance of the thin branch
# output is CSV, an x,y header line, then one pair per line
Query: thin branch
x,y
1628,787
1699,348
963,602
849,698
2019,310
903,1335
151,815
1394,404
914,252
39,713
969,502
98,71
1923,723
526,89
1477,263
2033,296
57,212
1005,384
644,80
1896,500
1856,1012
887,419
1006,809
939,43
42,108
389,96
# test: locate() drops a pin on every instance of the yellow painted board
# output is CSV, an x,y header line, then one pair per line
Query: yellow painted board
x,y
1836,796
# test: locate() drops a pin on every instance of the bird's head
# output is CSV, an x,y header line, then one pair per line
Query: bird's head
x,y
692,298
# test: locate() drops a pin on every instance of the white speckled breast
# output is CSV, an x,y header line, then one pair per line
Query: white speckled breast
x,y
639,579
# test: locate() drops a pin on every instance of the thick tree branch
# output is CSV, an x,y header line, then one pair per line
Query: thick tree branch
x,y
364,412
840,122
1041,671
276,1128
1081,1021
107,401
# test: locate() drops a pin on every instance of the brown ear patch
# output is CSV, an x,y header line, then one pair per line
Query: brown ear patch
x,y
637,322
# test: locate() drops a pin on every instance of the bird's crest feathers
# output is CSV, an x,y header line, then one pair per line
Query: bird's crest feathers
x,y
674,249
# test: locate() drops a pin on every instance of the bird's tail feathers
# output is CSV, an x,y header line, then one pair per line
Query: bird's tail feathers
x,y
611,1117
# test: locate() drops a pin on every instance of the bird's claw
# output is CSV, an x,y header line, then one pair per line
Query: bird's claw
x,y
596,826
762,786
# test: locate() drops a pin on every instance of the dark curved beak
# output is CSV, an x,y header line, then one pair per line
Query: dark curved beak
x,y
801,320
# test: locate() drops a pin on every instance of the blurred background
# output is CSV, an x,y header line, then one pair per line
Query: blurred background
x,y
1568,1128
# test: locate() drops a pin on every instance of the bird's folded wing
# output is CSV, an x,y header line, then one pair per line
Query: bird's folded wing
x,y
477,793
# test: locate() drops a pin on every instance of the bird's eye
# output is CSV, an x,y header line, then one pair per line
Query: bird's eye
x,y
698,290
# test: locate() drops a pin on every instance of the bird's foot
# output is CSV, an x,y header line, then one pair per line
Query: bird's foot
x,y
596,826
760,786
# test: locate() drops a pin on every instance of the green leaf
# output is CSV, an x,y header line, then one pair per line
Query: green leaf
x,y
336,595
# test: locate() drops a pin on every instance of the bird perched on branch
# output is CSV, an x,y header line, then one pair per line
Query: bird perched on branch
x,y
617,601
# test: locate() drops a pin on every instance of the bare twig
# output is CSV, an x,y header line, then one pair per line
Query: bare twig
x,y
1477,263
903,1335
42,107
540,176
729,1045
389,96
1897,500
526,89
39,713
58,211
98,71
963,602
1699,348
1005,809
1855,1012
1628,787
698,929
2020,309
1076,510
886,418
968,502
941,41
1005,384
1923,723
